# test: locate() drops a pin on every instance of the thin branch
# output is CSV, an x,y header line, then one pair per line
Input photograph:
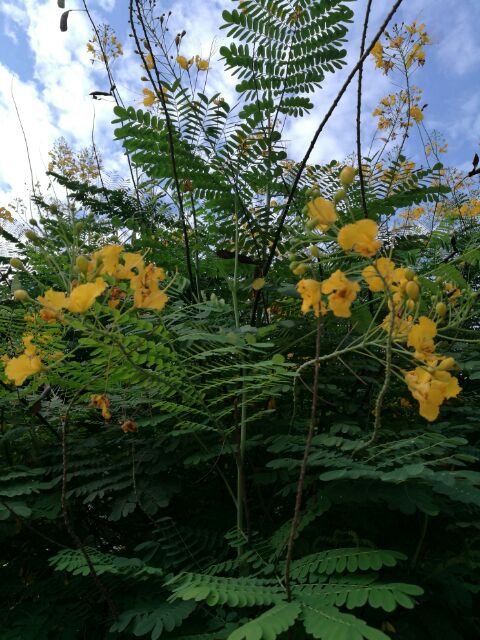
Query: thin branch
x,y
161,97
303,468
359,111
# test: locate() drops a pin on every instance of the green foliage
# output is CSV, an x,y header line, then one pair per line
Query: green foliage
x,y
171,515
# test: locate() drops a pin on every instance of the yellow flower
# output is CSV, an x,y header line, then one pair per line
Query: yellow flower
x,y
322,212
311,293
379,273
360,237
431,389
401,326
377,53
149,61
342,293
184,63
258,284
421,337
100,401
202,65
150,98
147,294
108,261
453,292
19,369
416,113
53,300
83,296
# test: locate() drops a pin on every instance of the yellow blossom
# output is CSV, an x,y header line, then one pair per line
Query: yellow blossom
x,y
202,65
377,53
150,98
311,293
19,369
360,237
421,337
149,61
184,63
342,293
258,284
53,301
100,401
416,113
323,212
430,389
147,294
379,273
83,296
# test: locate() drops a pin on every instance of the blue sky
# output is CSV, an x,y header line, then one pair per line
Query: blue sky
x,y
51,76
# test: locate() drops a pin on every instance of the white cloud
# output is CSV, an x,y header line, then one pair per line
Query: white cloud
x,y
54,101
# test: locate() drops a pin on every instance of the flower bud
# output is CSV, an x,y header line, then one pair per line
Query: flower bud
x,y
16,263
78,227
409,274
441,309
413,290
21,295
311,224
82,264
339,195
347,176
314,251
300,270
32,236
315,193
410,305
447,364
33,222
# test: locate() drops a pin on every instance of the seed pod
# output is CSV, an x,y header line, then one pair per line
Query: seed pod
x,y
413,290
21,295
347,176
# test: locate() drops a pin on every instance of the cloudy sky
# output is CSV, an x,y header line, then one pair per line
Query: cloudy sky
x,y
49,75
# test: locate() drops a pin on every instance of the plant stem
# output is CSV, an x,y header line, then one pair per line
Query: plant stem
x,y
303,468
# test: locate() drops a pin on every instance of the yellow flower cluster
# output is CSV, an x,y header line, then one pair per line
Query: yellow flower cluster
x,y
432,382
109,47
401,49
5,214
185,64
27,364
111,261
340,290
150,98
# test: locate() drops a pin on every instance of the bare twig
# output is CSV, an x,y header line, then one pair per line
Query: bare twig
x,y
303,468
359,111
